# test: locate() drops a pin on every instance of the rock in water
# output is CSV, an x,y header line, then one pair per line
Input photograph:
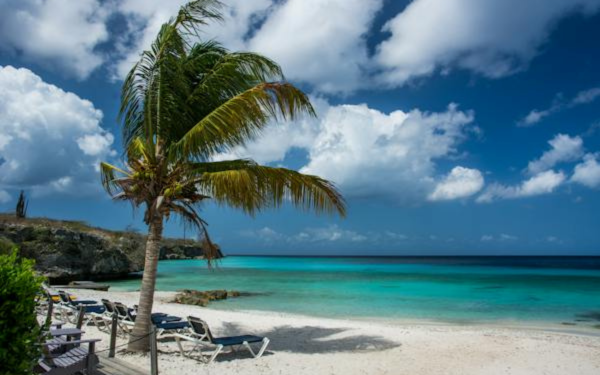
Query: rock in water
x,y
203,298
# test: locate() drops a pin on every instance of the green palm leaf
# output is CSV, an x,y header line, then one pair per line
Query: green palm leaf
x,y
248,186
241,118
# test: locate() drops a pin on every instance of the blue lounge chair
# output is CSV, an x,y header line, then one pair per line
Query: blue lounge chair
x,y
66,298
200,335
162,322
69,308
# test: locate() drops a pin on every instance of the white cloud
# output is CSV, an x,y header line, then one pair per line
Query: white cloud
x,y
4,197
52,139
491,38
145,17
587,172
293,33
332,233
264,234
459,183
319,42
502,238
95,144
542,183
368,152
56,33
508,237
535,116
586,96
563,149
559,104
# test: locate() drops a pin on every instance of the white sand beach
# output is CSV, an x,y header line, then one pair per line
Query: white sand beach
x,y
307,345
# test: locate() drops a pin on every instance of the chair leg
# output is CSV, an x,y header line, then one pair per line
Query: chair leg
x,y
265,343
197,345
215,353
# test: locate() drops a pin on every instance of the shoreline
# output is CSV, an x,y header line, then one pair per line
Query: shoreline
x,y
304,344
585,327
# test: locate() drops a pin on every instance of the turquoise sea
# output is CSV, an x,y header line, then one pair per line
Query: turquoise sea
x,y
455,289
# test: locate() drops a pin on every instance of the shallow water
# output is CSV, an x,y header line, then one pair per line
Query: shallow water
x,y
456,289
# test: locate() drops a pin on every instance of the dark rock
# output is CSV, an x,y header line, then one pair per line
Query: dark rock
x,y
203,298
65,255
590,316
71,250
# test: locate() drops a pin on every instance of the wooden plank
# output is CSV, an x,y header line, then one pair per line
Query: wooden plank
x,y
115,366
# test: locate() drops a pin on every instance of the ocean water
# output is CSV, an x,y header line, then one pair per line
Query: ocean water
x,y
449,289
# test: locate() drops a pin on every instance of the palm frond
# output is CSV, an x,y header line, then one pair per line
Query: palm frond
x,y
245,185
109,178
241,118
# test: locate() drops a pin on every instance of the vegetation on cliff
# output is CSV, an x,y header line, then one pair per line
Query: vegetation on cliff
x,y
72,250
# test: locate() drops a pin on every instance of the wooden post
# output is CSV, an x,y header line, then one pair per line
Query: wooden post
x,y
153,351
113,335
80,316
90,363
50,310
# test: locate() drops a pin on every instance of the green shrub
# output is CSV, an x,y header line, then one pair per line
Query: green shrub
x,y
6,246
19,330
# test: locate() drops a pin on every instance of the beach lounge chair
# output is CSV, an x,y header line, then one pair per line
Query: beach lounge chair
x,y
200,335
68,309
163,322
157,318
74,359
69,299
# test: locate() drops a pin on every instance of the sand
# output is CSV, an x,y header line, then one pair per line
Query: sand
x,y
308,345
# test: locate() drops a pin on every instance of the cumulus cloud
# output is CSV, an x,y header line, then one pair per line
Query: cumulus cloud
x,y
459,183
587,173
51,140
59,33
319,42
491,38
563,149
539,184
145,17
293,33
367,152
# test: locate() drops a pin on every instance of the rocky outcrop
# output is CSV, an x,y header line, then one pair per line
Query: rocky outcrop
x,y
67,250
66,254
203,298
181,251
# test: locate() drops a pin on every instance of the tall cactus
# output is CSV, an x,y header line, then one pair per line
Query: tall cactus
x,y
22,204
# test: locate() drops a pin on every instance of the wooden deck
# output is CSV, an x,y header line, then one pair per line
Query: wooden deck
x,y
115,366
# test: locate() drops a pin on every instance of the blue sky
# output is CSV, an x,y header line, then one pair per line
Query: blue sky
x,y
452,127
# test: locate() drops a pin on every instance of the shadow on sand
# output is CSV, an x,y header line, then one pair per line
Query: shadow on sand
x,y
305,340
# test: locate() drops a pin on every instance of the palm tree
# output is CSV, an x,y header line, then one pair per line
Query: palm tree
x,y
182,104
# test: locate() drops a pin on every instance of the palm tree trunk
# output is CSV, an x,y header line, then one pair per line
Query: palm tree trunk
x,y
139,340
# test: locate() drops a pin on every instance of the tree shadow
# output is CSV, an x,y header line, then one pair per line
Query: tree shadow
x,y
311,339
304,340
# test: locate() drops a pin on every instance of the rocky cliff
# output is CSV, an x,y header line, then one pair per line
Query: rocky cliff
x,y
69,250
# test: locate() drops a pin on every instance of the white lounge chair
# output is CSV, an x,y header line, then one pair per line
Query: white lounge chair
x,y
200,336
